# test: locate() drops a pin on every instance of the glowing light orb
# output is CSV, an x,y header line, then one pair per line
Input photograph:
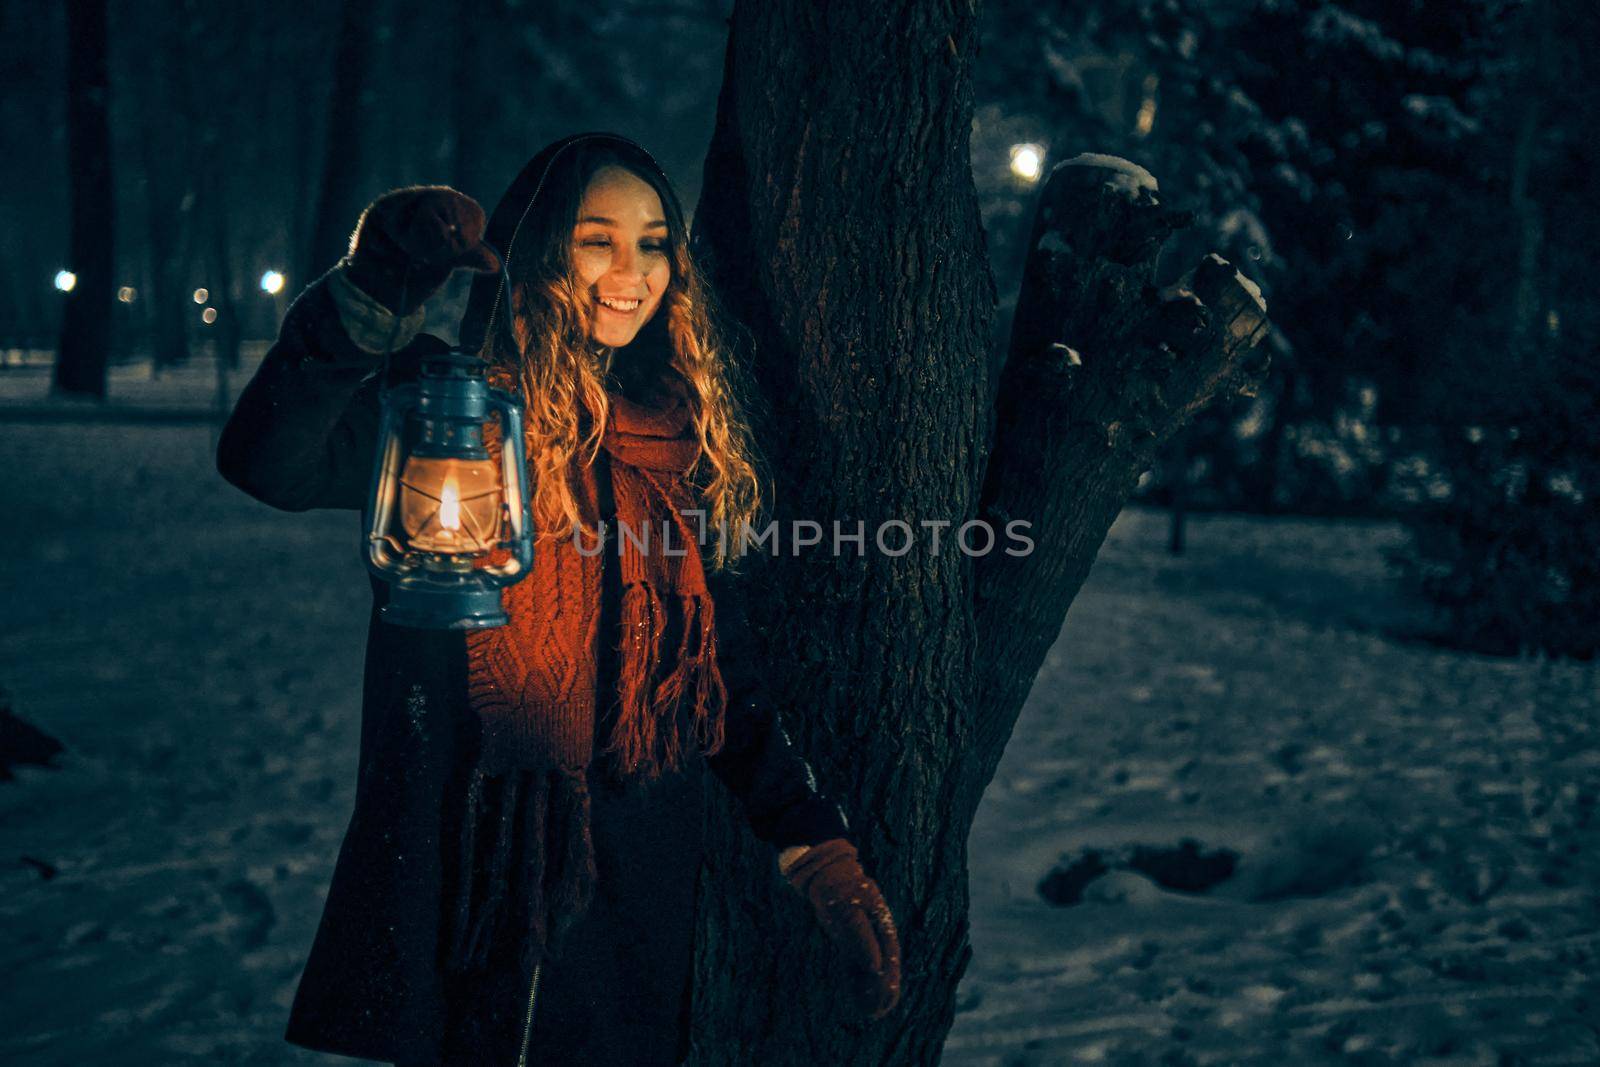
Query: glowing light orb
x,y
202,295
66,280
1027,161
272,282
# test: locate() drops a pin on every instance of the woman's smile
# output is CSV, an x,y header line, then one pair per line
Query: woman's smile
x,y
620,254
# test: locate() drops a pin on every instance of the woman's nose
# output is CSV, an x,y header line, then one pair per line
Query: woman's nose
x,y
626,262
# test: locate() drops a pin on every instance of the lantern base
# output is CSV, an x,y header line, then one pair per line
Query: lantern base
x,y
436,609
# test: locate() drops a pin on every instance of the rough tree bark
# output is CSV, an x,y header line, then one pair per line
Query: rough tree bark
x,y
85,344
840,225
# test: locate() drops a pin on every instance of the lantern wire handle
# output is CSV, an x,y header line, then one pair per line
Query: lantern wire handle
x,y
505,287
394,330
405,286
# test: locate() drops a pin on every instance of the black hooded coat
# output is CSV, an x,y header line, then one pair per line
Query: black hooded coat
x,y
303,435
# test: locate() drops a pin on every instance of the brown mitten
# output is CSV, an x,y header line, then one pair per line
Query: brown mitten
x,y
855,917
409,240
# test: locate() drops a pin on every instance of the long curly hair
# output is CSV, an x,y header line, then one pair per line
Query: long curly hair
x,y
543,351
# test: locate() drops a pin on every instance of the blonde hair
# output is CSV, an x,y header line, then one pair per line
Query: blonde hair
x,y
548,358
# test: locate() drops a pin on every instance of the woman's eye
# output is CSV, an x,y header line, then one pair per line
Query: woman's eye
x,y
658,248
596,242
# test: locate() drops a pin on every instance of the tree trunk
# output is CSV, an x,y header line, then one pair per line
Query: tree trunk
x,y
169,303
86,314
1535,60
303,140
338,197
840,226
227,329
169,198
224,331
1177,479
1270,462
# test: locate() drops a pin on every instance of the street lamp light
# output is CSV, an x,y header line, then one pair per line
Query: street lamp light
x,y
1027,161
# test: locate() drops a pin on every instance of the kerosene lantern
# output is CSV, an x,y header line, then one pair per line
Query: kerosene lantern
x,y
447,525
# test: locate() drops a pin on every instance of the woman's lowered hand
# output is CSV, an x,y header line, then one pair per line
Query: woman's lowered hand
x,y
853,913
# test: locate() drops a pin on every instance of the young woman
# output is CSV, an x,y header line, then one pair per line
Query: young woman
x,y
517,882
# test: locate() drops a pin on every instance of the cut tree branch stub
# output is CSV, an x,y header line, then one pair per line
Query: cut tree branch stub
x,y
1102,368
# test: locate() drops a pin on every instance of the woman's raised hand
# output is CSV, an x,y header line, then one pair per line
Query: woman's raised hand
x,y
409,240
853,913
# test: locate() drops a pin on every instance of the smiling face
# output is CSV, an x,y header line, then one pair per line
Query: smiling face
x,y
621,259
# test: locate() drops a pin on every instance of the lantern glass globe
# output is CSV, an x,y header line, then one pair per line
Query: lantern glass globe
x,y
450,506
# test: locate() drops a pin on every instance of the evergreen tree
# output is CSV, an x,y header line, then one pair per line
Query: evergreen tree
x,y
1317,145
1505,521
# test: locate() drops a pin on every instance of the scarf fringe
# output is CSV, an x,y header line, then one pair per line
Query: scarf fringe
x,y
569,875
458,928
648,739
521,888
633,737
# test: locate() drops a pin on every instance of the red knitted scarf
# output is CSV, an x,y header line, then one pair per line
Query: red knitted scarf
x,y
533,682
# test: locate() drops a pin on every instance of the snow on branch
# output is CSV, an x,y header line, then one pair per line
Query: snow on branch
x,y
1123,175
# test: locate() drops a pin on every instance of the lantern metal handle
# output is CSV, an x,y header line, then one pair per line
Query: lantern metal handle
x,y
381,557
513,469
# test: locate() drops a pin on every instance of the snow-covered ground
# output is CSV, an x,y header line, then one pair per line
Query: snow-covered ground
x,y
199,654
1412,828
1415,828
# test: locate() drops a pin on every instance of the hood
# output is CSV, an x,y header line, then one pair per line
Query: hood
x,y
515,207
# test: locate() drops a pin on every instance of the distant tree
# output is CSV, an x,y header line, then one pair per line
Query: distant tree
x,y
1505,524
1324,186
340,195
33,55
474,103
840,224
165,127
209,106
84,350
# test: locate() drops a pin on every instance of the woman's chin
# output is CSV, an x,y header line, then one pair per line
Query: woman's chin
x,y
614,338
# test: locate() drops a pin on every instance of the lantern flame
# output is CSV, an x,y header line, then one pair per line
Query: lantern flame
x,y
450,505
